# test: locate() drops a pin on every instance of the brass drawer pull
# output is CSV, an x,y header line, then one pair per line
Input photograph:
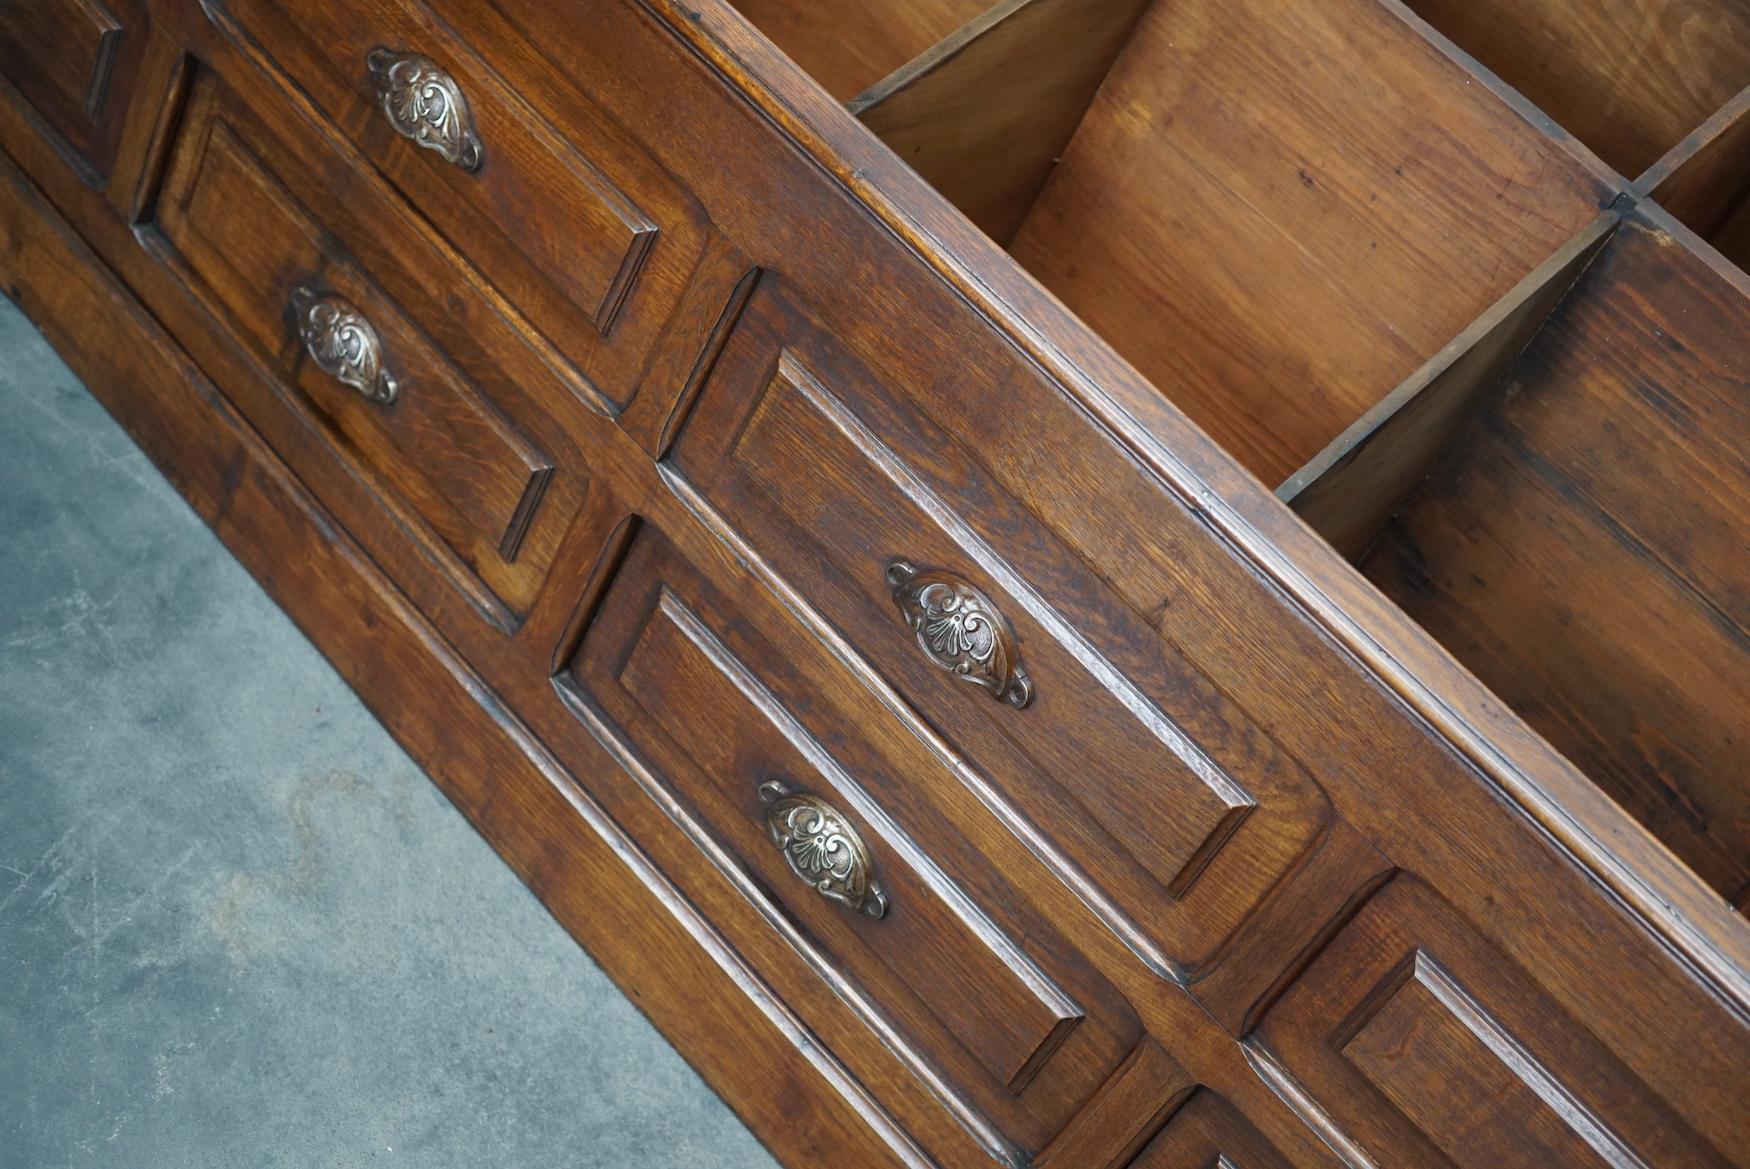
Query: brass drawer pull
x,y
425,104
343,344
822,848
960,630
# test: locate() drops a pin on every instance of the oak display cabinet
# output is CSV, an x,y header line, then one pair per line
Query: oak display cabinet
x,y
1066,583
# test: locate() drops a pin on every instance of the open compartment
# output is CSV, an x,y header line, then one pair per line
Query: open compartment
x,y
1275,210
1629,78
1387,284
1577,531
1705,181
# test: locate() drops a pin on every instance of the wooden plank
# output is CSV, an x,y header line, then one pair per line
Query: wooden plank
x,y
1276,246
1123,1115
1629,78
985,113
1352,487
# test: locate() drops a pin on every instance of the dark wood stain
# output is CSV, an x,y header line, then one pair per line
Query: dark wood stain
x,y
1261,874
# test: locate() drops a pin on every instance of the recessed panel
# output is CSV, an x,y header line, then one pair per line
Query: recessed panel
x,y
774,785
1208,1133
1177,813
417,426
67,58
1412,1039
579,231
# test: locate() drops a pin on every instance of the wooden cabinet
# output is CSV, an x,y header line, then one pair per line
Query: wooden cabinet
x,y
828,529
74,63
887,520
840,825
581,232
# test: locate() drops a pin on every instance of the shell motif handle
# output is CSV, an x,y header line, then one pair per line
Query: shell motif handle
x,y
425,104
960,630
822,848
343,344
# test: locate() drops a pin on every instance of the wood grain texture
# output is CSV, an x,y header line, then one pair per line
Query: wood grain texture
x,y
984,115
1490,747
785,396
1353,486
847,45
1022,1032
1583,548
444,451
1127,1111
670,960
1208,1132
1630,78
67,58
1302,914
584,237
1705,180
1409,1005
1278,211
952,406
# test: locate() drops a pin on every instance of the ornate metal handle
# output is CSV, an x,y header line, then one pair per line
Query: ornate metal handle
x,y
343,344
822,848
425,104
960,630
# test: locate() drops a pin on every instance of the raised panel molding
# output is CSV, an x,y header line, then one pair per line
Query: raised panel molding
x,y
1193,814
443,454
954,993
63,55
1208,1133
1456,1072
1410,1040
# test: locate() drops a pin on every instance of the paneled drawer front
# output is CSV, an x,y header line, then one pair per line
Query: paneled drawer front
x,y
1425,1046
73,60
388,401
1209,1133
582,233
778,774
1174,813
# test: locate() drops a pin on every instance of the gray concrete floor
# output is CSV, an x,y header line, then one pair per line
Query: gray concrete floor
x,y
238,927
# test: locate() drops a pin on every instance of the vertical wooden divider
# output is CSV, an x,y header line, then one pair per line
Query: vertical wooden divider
x,y
1705,180
1351,488
984,114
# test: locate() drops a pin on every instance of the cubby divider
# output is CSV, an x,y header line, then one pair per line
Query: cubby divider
x,y
984,114
848,45
1580,544
1350,490
1705,180
1386,254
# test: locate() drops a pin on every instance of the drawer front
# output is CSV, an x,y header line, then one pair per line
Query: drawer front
x,y
386,400
1190,814
1426,1046
74,61
1209,1133
582,232
777,774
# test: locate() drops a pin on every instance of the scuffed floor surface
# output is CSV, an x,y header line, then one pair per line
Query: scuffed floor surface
x,y
238,927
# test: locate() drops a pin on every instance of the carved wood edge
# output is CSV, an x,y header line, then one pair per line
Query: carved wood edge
x,y
1553,796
